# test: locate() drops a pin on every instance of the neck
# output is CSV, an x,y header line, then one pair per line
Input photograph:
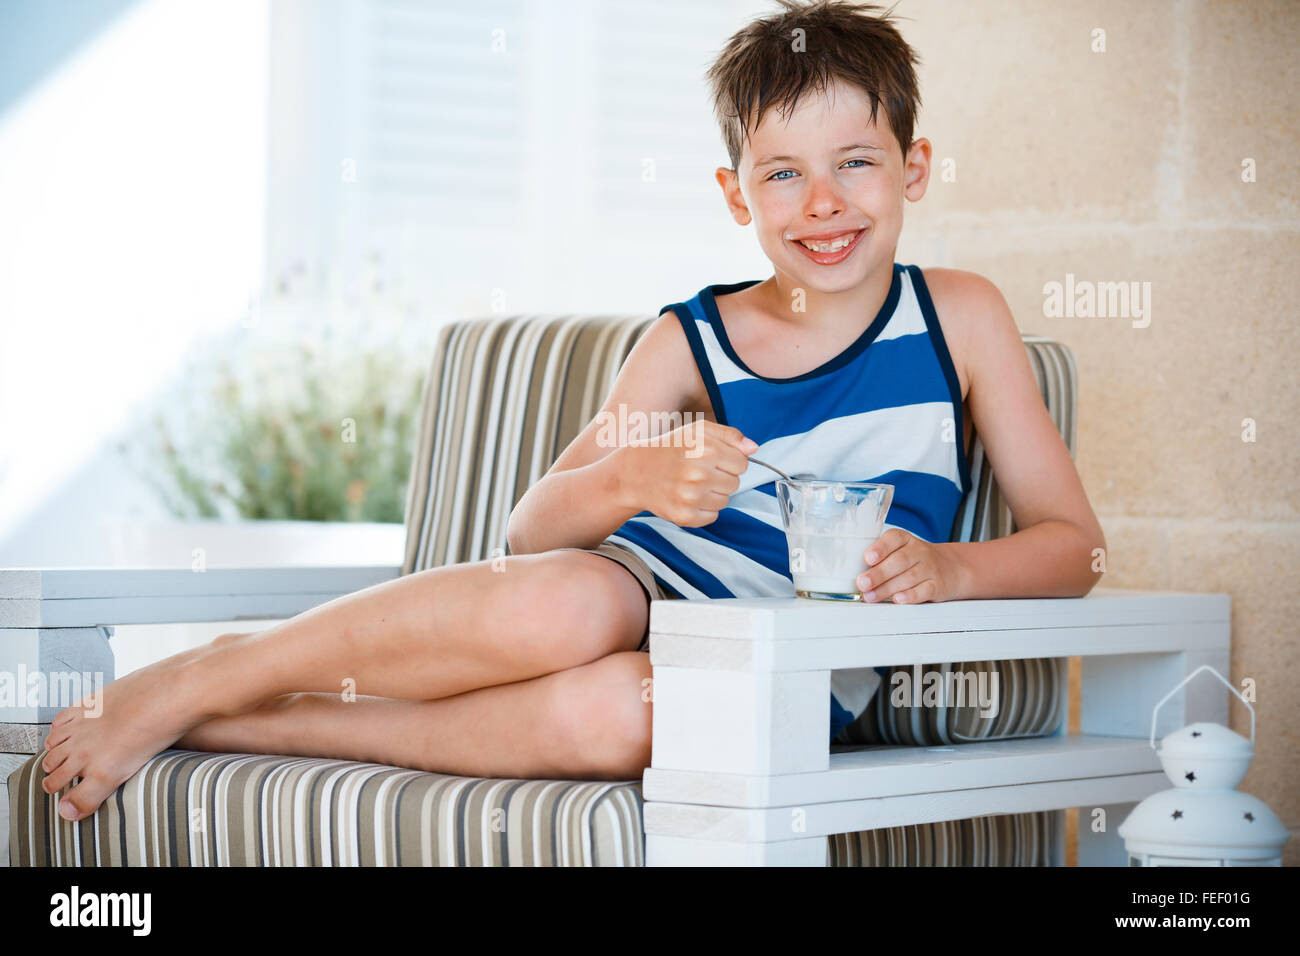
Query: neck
x,y
828,310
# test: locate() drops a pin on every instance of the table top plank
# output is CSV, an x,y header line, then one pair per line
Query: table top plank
x,y
792,619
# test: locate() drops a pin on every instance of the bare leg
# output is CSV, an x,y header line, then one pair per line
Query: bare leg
x,y
588,722
429,635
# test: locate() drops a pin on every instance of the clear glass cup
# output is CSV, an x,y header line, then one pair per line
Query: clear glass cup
x,y
828,527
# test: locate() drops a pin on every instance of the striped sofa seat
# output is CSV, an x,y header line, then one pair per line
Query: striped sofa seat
x,y
503,397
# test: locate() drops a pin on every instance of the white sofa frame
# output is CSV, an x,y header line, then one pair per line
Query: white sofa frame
x,y
741,771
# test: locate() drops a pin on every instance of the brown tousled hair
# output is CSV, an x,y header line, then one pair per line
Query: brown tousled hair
x,y
760,69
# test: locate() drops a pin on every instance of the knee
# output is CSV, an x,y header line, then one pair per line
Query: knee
x,y
229,638
583,602
605,716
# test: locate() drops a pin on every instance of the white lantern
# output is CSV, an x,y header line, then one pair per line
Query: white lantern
x,y
1204,820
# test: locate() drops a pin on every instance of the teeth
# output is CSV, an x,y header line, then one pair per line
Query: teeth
x,y
831,246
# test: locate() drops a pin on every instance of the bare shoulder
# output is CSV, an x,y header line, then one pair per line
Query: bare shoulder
x,y
971,312
664,351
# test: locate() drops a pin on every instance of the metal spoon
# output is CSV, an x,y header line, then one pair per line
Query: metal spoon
x,y
802,476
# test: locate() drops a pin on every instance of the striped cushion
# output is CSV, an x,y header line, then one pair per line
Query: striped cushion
x,y
186,808
504,396
1014,839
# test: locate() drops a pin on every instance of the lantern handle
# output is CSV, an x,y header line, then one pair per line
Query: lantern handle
x,y
1203,667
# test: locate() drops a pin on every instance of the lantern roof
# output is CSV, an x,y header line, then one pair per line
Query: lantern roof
x,y
1205,757
1205,739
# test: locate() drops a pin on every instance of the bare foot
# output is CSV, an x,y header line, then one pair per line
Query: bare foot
x,y
112,733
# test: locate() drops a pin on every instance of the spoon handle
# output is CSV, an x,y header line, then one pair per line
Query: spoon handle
x,y
766,465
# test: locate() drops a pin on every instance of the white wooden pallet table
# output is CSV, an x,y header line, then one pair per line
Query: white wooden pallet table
x,y
742,771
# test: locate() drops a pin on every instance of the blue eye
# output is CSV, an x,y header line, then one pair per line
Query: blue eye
x,y
779,176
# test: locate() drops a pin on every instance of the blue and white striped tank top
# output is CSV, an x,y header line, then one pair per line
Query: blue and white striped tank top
x,y
888,408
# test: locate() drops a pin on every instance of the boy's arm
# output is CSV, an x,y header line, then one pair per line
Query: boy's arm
x,y
589,492
1053,554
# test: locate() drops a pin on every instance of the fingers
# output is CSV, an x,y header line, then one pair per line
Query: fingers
x,y
725,447
889,573
698,507
904,569
917,593
887,590
724,483
713,500
703,485
732,461
700,519
722,438
890,541
738,440
729,450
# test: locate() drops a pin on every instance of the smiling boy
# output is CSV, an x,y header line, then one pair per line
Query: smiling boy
x,y
842,363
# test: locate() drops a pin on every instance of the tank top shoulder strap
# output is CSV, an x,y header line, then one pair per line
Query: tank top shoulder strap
x,y
930,317
714,365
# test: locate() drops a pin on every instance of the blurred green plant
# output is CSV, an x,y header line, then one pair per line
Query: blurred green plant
x,y
293,433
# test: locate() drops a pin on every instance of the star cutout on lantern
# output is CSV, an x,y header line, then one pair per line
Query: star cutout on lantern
x,y
1177,814
1250,816
1191,775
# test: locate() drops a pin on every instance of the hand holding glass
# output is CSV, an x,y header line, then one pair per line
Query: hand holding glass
x,y
828,527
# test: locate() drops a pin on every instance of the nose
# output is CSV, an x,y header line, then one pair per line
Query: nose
x,y
824,199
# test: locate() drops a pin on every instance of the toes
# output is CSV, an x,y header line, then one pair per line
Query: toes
x,y
84,799
64,716
57,736
55,758
62,775
62,726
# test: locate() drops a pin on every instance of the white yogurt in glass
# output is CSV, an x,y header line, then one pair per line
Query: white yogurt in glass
x,y
827,563
829,526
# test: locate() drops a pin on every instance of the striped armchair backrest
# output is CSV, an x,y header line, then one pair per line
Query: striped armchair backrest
x,y
504,396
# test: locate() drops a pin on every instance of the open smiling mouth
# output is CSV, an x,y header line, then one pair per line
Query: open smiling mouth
x,y
831,248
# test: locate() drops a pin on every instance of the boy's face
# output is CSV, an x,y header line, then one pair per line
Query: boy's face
x,y
798,181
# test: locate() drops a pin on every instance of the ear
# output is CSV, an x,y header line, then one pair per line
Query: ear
x,y
916,170
731,193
